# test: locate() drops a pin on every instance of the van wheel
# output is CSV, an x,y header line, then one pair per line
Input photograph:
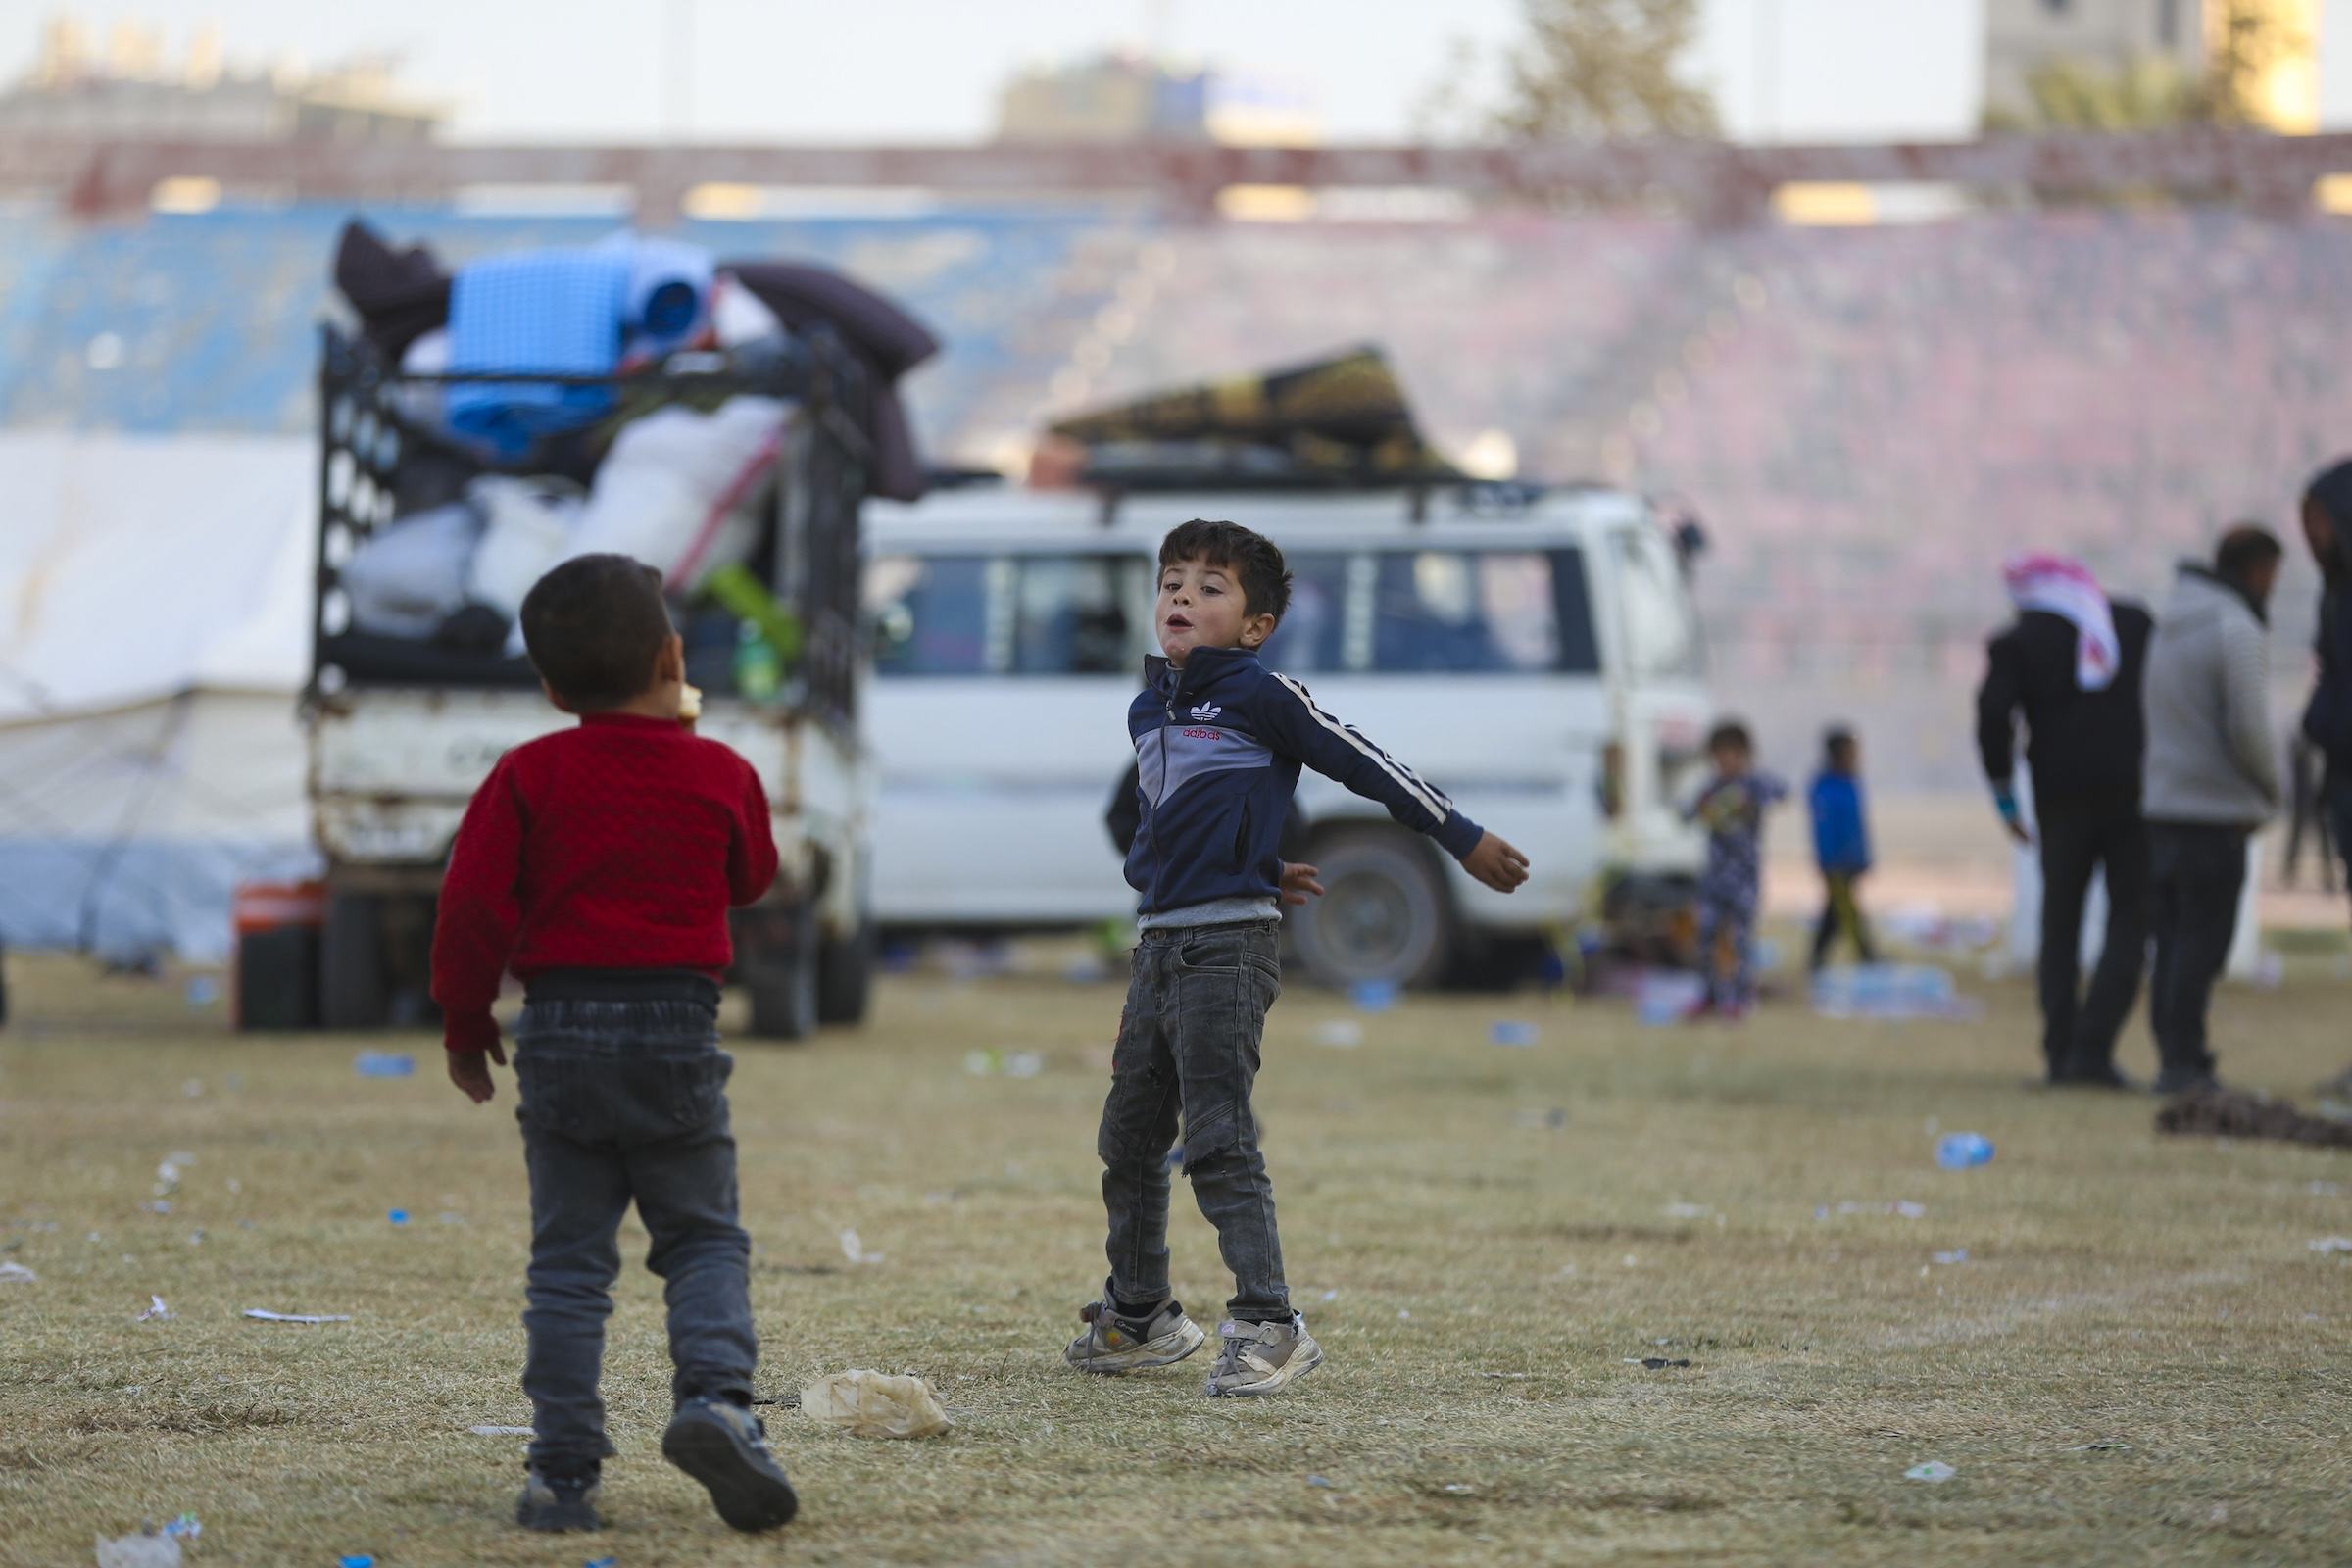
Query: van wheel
x,y
780,977
353,992
1384,916
844,976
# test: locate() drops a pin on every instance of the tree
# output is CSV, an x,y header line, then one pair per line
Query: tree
x,y
2248,41
1587,70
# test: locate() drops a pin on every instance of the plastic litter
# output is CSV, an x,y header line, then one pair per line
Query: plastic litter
x,y
2332,1244
499,1432
1458,1489
1665,996
1963,1151
398,1216
384,1064
147,1548
1656,1364
1373,996
1318,1481
1689,1212
1956,1255
1932,1470
875,1405
1511,1031
187,1527
357,1559
203,991
606,1562
1902,1207
157,1311
1341,1034
854,1249
1890,991
261,1315
193,1087
17,1274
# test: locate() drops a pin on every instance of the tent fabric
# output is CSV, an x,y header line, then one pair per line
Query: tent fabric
x,y
154,633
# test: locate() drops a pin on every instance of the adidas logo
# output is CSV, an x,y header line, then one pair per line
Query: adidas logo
x,y
1206,712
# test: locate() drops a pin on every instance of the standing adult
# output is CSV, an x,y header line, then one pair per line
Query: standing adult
x,y
2328,718
2212,782
2072,668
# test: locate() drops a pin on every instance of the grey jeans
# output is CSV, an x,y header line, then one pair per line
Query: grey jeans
x,y
625,1101
1189,1042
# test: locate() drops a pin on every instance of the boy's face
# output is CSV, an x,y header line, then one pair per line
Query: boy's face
x,y
1200,607
1847,757
1731,761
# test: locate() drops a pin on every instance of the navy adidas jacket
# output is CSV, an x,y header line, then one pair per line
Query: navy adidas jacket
x,y
1218,746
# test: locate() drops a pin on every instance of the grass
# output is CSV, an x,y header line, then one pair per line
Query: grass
x,y
2139,1361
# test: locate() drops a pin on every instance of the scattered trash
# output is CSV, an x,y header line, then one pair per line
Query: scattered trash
x,y
499,1432
193,1087
147,1548
187,1527
155,1311
1932,1470
1664,996
605,1563
1331,1295
1904,1207
1504,1377
1554,1120
1922,925
855,1250
1890,991
1689,1212
2229,1113
1656,1364
159,1207
1404,1314
398,1216
2332,1244
384,1064
1373,996
2098,1448
17,1274
203,991
873,1404
993,1063
262,1316
1341,1034
1510,1031
358,1559
1459,1488
1318,1481
1963,1151
1956,1255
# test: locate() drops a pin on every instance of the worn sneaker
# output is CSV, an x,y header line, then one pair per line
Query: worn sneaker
x,y
1114,1345
555,1503
1263,1357
724,1447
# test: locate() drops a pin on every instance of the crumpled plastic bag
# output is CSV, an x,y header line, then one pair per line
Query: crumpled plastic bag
x,y
875,1405
145,1550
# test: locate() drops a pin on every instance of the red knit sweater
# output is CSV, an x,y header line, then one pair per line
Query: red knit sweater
x,y
617,844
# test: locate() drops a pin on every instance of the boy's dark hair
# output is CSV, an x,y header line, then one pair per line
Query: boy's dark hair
x,y
1836,739
1252,558
2245,548
1731,732
592,627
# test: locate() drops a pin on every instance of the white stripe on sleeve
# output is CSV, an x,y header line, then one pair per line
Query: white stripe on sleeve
x,y
1429,798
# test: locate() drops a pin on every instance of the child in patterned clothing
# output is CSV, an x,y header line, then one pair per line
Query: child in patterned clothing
x,y
1731,809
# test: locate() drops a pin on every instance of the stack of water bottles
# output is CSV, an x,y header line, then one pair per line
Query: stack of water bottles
x,y
1886,991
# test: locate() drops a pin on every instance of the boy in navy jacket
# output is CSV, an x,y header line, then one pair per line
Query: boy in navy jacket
x,y
1219,740
1841,847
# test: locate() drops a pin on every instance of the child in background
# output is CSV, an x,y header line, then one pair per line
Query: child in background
x,y
1731,809
598,863
1841,847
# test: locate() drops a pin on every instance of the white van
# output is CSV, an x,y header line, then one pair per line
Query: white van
x,y
1536,657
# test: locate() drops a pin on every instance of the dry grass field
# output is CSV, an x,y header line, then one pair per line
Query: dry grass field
x,y
2140,1359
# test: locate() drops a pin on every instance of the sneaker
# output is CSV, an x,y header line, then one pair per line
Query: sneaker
x,y
554,1503
724,1447
1114,1345
1263,1357
2187,1083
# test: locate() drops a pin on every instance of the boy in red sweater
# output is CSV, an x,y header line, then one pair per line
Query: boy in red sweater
x,y
598,864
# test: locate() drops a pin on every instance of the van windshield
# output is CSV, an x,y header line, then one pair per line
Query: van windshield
x,y
1662,637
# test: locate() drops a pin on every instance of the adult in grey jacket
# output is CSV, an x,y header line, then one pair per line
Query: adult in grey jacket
x,y
2212,781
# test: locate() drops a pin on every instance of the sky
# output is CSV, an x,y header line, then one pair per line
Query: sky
x,y
928,69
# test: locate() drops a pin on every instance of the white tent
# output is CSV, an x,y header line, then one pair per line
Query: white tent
x,y
154,631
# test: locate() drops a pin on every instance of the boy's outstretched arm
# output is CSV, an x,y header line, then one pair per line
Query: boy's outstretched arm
x,y
474,932
1299,728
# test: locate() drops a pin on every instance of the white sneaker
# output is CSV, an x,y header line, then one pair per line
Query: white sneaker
x,y
1263,1357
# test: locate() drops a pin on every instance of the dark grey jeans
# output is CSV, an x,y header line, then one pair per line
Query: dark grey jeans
x,y
1189,1042
2200,873
627,1101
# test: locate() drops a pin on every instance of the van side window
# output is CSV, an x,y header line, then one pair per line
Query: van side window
x,y
1481,612
1661,628
931,613
1072,614
1312,635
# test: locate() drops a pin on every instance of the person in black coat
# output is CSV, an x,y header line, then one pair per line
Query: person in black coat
x,y
2328,718
2072,667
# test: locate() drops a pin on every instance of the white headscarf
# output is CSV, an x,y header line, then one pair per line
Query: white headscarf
x,y
2066,588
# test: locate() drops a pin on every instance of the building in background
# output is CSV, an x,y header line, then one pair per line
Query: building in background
x,y
2114,35
1130,98
128,90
